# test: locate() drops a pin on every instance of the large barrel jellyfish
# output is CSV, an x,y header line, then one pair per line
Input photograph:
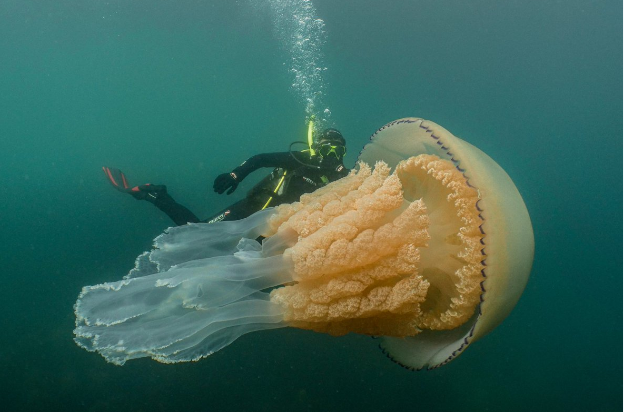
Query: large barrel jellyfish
x,y
427,245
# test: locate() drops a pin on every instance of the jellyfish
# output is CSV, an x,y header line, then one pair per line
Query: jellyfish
x,y
426,245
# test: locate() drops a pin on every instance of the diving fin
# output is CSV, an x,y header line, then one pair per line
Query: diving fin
x,y
147,191
117,179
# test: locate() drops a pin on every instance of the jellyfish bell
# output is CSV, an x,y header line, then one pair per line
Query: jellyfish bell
x,y
508,243
428,245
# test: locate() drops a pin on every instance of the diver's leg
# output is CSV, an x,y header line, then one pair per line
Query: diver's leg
x,y
237,211
162,200
155,194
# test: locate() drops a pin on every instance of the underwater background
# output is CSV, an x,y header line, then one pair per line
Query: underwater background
x,y
177,92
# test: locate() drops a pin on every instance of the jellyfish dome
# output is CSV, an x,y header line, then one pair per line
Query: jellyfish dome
x,y
427,245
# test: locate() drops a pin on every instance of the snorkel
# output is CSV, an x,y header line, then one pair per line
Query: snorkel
x,y
311,136
310,144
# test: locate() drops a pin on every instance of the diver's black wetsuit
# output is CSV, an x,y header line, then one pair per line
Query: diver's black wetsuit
x,y
290,179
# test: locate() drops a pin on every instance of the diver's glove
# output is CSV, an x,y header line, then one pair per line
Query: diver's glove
x,y
224,182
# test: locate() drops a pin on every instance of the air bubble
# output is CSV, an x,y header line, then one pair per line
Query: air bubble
x,y
302,35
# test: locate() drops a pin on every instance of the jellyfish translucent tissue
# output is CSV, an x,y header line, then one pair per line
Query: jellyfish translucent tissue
x,y
427,244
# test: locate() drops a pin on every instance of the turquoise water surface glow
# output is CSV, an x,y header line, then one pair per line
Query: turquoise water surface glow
x,y
179,92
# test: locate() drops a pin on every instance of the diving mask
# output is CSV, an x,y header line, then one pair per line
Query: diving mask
x,y
325,149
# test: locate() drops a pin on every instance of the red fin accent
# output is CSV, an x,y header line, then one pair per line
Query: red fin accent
x,y
110,176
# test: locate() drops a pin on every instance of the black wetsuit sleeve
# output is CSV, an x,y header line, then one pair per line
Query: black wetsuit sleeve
x,y
284,160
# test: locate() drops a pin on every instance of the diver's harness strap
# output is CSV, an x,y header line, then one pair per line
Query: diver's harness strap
x,y
281,185
312,154
277,188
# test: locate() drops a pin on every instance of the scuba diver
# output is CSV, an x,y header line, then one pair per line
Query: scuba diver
x,y
294,174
